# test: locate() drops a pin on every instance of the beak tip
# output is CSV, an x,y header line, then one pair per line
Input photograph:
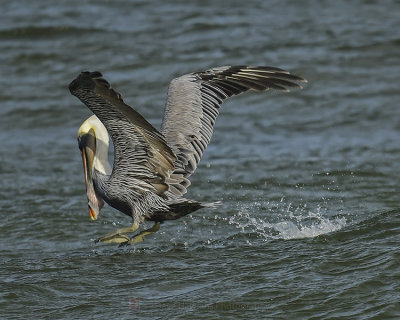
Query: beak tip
x,y
92,214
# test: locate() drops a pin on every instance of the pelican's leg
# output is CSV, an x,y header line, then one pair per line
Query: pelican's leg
x,y
139,237
118,235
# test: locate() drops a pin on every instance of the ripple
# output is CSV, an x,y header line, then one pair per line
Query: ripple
x,y
46,32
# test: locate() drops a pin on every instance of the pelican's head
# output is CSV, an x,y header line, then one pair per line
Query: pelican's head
x,y
93,143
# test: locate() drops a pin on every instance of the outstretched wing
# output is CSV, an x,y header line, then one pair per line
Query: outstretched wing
x,y
193,105
141,156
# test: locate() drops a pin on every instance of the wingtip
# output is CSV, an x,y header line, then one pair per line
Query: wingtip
x,y
84,80
93,81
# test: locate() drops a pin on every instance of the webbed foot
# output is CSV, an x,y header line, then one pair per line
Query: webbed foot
x,y
118,235
140,237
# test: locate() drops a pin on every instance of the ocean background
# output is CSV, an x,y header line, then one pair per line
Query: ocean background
x,y
309,227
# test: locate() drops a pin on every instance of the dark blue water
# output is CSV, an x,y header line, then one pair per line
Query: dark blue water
x,y
310,222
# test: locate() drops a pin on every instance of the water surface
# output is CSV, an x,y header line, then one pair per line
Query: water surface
x,y
310,222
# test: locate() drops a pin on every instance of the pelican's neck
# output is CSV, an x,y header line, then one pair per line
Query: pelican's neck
x,y
101,163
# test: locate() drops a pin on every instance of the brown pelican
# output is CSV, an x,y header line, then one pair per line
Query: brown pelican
x,y
151,168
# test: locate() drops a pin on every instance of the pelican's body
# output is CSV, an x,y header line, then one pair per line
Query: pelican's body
x,y
151,168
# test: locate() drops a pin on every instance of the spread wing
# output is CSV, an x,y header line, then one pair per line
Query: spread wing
x,y
193,104
142,158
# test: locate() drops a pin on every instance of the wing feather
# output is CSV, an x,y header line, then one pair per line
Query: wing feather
x,y
194,100
163,161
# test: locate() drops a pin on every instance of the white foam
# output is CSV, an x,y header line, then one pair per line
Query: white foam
x,y
294,223
289,230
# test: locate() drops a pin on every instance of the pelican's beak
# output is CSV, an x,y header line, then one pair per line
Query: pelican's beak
x,y
87,146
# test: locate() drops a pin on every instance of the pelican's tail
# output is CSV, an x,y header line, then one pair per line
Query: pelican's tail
x,y
181,207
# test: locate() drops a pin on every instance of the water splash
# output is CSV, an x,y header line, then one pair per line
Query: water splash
x,y
293,222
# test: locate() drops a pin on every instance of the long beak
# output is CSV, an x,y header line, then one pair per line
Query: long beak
x,y
87,146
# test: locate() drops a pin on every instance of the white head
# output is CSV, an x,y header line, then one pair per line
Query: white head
x,y
93,143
